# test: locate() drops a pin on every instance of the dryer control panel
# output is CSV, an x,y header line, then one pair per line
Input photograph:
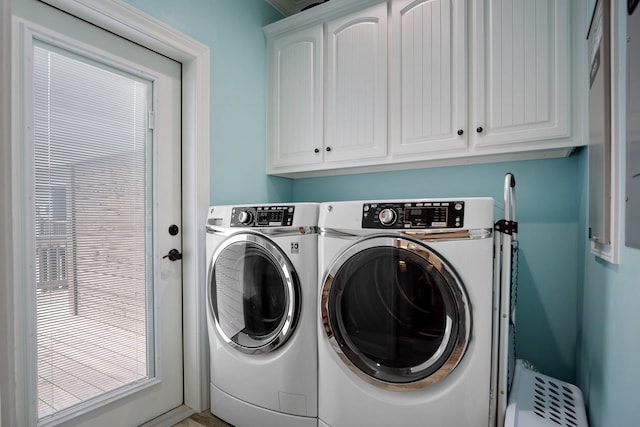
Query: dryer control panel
x,y
411,215
262,216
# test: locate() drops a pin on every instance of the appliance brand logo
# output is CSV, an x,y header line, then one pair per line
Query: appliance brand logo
x,y
295,248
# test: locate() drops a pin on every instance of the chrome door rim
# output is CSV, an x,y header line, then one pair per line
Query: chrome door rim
x,y
456,348
292,295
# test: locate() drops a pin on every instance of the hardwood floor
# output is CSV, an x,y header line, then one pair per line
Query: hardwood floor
x,y
81,356
203,419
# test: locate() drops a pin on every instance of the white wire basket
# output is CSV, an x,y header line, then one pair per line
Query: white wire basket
x,y
537,400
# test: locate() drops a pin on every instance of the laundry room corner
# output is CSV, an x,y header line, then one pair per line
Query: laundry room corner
x,y
575,310
548,212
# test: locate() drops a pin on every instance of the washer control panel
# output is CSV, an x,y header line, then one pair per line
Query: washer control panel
x,y
262,216
409,215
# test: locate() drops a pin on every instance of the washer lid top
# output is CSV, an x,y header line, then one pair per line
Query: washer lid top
x,y
253,293
397,311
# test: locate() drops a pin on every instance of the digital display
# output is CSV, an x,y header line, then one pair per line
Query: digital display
x,y
425,216
266,217
416,216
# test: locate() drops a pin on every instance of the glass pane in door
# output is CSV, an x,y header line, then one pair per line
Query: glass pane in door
x,y
92,229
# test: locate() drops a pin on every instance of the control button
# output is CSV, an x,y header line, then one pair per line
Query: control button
x,y
458,206
245,217
387,216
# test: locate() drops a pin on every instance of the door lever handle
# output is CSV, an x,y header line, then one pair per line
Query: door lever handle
x,y
173,255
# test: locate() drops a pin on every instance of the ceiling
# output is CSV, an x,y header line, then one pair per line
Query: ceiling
x,y
290,7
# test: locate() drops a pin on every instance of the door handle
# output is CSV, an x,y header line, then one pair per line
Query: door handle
x,y
173,255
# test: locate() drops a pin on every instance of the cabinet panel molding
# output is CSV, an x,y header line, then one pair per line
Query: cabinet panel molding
x,y
295,98
356,86
521,69
429,76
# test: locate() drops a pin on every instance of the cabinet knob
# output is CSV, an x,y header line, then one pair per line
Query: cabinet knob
x,y
328,148
460,131
316,150
479,129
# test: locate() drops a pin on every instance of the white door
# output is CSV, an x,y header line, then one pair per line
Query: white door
x,y
101,161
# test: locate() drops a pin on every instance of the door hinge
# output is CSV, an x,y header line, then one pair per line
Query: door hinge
x,y
152,120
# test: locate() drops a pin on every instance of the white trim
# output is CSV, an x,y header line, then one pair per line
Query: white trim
x,y
24,328
611,252
132,24
7,372
171,418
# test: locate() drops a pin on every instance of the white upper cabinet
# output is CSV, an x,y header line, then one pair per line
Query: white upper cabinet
x,y
516,59
520,72
371,85
356,86
327,89
294,110
428,76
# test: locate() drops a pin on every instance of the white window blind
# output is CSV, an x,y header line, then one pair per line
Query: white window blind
x,y
92,228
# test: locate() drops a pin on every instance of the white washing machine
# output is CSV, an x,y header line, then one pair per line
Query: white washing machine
x,y
261,312
405,313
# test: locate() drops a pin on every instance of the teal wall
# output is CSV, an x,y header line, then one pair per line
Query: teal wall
x,y
577,316
609,316
233,31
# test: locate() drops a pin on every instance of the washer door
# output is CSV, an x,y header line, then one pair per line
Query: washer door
x,y
397,311
253,293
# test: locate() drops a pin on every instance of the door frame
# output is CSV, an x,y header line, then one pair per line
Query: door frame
x,y
130,23
7,336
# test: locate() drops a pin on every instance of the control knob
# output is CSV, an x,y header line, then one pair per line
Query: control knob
x,y
245,217
387,216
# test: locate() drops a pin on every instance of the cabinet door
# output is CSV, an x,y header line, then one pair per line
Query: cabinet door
x,y
520,71
295,99
356,86
428,76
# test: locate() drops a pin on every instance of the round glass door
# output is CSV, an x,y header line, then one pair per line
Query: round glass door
x,y
397,311
253,293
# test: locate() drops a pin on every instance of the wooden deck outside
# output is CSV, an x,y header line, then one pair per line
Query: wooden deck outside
x,y
82,356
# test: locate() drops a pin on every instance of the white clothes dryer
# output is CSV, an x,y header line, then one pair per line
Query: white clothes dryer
x,y
405,313
261,312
